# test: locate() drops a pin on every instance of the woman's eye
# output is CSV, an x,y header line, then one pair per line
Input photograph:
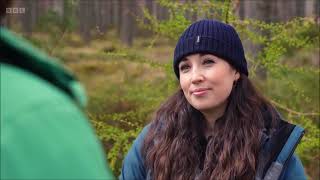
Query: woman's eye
x,y
208,61
184,68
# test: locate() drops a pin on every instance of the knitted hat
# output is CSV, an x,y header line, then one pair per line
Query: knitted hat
x,y
214,37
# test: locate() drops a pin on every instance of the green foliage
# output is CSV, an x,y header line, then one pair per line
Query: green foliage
x,y
177,22
119,138
54,25
68,19
52,20
144,96
285,84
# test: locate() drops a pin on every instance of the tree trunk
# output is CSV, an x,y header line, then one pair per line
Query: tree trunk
x,y
126,26
83,15
116,16
30,17
300,8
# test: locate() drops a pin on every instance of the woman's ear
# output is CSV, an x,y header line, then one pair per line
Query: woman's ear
x,y
237,76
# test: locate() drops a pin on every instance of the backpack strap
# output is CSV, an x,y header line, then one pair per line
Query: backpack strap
x,y
272,148
277,167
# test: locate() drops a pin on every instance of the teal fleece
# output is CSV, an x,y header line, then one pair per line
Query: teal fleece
x,y
44,133
133,167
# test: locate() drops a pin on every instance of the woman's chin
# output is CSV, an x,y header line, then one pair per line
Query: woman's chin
x,y
202,107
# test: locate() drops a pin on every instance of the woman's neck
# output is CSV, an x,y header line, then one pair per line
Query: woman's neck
x,y
211,116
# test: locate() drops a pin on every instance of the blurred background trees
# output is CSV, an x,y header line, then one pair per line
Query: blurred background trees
x,y
122,52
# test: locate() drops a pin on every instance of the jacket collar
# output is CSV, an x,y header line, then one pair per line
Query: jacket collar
x,y
14,48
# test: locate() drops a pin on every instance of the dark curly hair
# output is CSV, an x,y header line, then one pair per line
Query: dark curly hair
x,y
176,147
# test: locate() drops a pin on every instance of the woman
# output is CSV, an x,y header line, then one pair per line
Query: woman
x,y
216,126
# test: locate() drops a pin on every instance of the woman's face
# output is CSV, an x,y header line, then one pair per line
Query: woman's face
x,y
207,81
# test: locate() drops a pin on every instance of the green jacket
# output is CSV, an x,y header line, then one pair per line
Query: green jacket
x,y
44,133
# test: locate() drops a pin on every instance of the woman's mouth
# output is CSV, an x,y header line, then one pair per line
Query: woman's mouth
x,y
199,91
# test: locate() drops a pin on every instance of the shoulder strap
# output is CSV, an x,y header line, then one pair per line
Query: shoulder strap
x,y
271,149
277,167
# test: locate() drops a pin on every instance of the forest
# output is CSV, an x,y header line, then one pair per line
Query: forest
x,y
122,52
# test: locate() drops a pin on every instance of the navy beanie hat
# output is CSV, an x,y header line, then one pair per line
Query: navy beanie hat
x,y
214,37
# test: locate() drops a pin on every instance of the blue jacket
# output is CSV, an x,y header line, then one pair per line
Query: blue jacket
x,y
284,166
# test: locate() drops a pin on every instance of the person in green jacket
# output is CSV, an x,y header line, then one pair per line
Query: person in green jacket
x,y
44,133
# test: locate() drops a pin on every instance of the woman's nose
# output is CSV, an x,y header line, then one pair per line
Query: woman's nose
x,y
197,76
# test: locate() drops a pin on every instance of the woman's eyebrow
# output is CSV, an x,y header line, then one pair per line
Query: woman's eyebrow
x,y
184,59
201,55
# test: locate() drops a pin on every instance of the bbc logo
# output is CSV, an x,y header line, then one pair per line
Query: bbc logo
x,y
15,10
